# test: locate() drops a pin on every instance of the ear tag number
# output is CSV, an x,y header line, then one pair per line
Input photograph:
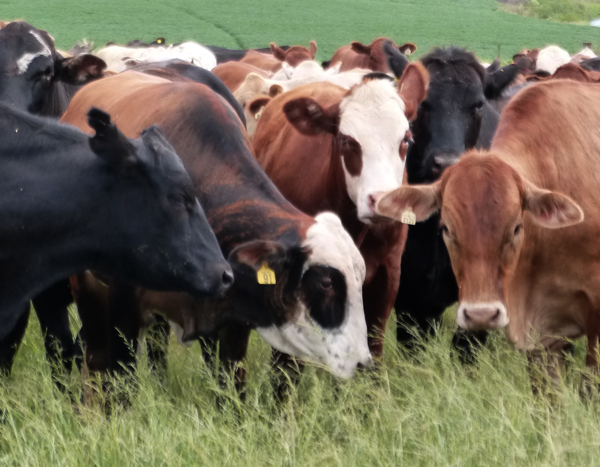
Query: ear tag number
x,y
408,217
265,275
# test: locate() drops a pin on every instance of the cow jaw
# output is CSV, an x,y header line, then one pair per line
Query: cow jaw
x,y
343,347
373,115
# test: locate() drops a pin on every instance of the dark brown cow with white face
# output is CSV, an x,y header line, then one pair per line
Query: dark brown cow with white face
x,y
292,56
371,57
521,221
314,310
328,148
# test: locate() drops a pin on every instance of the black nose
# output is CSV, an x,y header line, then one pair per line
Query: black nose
x,y
441,161
227,278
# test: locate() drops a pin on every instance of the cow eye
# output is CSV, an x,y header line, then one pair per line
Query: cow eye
x,y
344,141
477,107
444,230
326,284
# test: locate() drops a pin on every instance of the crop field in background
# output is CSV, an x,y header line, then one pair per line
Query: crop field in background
x,y
422,411
480,25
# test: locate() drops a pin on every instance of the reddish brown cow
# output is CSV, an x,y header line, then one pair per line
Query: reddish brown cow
x,y
521,221
327,148
233,74
371,57
293,56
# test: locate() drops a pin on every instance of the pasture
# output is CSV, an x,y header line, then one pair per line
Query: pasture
x,y
426,410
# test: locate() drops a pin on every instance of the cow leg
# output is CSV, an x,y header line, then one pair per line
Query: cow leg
x,y
286,374
412,331
592,361
157,344
233,345
208,346
52,312
10,345
467,343
545,367
378,299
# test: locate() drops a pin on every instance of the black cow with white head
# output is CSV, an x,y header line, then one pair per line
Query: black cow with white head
x,y
456,116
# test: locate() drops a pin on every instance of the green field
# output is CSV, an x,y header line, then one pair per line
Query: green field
x,y
477,24
424,412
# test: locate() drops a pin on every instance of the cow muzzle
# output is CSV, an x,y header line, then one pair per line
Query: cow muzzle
x,y
482,316
442,161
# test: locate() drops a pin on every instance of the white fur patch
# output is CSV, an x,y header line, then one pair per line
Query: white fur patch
x,y
499,322
25,60
339,349
552,57
373,114
115,56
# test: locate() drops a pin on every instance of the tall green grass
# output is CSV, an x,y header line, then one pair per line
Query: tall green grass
x,y
477,24
428,411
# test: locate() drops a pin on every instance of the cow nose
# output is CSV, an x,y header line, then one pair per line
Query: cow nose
x,y
442,161
483,316
365,365
227,278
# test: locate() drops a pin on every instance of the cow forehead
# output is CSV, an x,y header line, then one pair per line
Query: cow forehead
x,y
373,108
28,48
331,245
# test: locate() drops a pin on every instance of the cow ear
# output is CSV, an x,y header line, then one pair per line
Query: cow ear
x,y
108,142
309,118
80,69
423,200
550,209
499,80
277,52
361,48
397,62
313,48
408,49
494,66
412,87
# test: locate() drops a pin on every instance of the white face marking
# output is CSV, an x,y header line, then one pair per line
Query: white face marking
x,y
552,57
482,315
373,114
339,349
25,60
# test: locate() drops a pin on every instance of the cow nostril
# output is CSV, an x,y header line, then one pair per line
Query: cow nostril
x,y
372,201
227,277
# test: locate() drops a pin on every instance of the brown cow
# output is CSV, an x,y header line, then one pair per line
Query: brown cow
x,y
502,214
328,148
293,56
233,74
372,57
313,307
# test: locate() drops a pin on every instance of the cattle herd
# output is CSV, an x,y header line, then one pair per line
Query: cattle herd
x,y
214,191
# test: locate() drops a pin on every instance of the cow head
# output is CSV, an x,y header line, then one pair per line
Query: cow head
x,y
170,246
33,75
296,54
370,131
486,211
314,311
449,120
375,58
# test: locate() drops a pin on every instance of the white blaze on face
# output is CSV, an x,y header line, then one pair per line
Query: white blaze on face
x,y
373,114
25,60
343,348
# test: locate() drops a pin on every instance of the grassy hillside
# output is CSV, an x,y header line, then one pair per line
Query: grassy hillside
x,y
477,24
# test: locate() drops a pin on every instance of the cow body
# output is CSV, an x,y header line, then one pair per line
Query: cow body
x,y
273,62
225,55
244,206
520,221
46,238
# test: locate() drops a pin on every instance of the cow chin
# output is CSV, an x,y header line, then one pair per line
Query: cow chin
x,y
482,316
336,350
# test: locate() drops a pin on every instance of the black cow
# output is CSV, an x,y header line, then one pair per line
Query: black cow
x,y
34,76
455,116
235,55
123,207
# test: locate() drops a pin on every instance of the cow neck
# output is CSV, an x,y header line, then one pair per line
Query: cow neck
x,y
240,201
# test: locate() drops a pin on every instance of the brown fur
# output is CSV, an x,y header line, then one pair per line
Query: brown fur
x,y
233,74
371,57
272,63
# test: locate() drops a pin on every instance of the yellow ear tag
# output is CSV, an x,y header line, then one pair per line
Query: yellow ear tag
x,y
408,217
265,275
